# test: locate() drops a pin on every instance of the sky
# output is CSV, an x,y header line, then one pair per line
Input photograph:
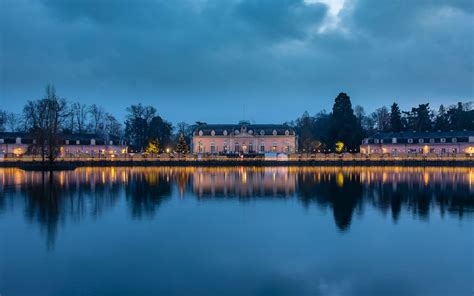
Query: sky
x,y
221,61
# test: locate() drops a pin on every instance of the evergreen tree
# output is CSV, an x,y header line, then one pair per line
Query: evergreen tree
x,y
422,117
344,124
395,118
182,146
441,121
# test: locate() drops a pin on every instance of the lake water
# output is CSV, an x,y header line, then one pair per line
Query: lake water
x,y
237,231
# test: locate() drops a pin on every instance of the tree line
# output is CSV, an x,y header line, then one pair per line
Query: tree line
x,y
345,127
50,118
145,130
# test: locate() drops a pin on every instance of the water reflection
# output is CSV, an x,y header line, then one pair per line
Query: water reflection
x,y
50,200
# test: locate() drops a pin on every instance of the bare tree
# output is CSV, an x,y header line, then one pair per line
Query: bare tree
x,y
80,117
381,117
3,120
45,118
112,126
98,115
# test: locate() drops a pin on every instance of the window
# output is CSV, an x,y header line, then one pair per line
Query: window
x,y
225,133
287,133
213,147
200,133
420,141
443,140
376,141
251,147
274,132
67,142
236,132
236,147
432,140
262,147
213,133
454,140
262,132
2,141
225,148
381,141
410,141
274,147
77,142
455,150
394,140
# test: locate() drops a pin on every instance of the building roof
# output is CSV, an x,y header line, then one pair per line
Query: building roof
x,y
410,135
257,129
73,137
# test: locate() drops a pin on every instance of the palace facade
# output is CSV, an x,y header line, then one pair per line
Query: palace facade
x,y
18,143
243,138
435,143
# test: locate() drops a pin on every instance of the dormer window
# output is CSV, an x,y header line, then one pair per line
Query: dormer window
x,y
236,132
213,133
454,140
394,140
262,132
376,141
287,133
250,132
225,133
410,141
67,142
2,141
420,141
200,133
274,132
432,140
443,140
77,142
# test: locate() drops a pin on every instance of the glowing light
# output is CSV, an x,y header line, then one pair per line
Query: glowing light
x,y
18,151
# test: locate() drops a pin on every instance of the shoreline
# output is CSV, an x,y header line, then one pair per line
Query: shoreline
x,y
71,165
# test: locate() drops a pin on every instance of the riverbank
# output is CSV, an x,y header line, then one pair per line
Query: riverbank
x,y
70,165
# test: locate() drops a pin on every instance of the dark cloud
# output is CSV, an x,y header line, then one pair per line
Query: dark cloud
x,y
208,54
